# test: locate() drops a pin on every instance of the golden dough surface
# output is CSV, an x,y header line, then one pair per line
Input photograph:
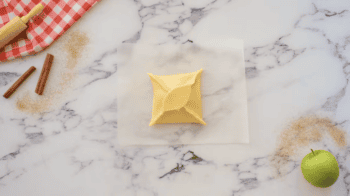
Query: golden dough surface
x,y
177,98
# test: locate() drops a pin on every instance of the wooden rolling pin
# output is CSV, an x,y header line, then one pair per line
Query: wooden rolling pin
x,y
17,25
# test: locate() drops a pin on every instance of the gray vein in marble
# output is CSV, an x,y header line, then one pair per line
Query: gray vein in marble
x,y
146,13
194,15
279,48
97,71
7,77
7,174
68,115
197,15
332,102
251,72
343,168
12,155
223,90
19,175
133,39
251,178
124,163
35,138
82,164
281,52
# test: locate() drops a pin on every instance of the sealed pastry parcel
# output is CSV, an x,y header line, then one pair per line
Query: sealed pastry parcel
x,y
182,94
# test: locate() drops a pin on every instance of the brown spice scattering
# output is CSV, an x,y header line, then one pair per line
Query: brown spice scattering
x,y
74,47
74,43
301,133
29,105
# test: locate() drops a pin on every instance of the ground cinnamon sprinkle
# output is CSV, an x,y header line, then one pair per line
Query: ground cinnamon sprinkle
x,y
299,134
75,45
33,106
61,77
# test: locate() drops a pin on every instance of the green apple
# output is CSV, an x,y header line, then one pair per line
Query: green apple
x,y
320,168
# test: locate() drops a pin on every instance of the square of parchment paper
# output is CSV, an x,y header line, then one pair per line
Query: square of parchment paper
x,y
223,89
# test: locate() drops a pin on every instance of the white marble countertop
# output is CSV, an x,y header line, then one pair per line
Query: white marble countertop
x,y
297,58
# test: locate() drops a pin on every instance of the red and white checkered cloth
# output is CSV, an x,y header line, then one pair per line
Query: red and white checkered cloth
x,y
56,18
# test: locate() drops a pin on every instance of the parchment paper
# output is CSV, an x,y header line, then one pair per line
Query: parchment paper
x,y
223,89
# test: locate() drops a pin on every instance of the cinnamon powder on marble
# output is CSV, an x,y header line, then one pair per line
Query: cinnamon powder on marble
x,y
30,105
299,134
73,45
74,48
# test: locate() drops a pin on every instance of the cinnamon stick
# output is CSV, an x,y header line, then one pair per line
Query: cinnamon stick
x,y
20,80
44,74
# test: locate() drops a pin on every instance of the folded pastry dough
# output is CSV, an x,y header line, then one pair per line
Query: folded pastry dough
x,y
177,98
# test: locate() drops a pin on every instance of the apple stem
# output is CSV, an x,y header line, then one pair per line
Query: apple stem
x,y
312,151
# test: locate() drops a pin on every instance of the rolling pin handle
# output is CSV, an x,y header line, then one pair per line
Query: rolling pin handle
x,y
36,10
